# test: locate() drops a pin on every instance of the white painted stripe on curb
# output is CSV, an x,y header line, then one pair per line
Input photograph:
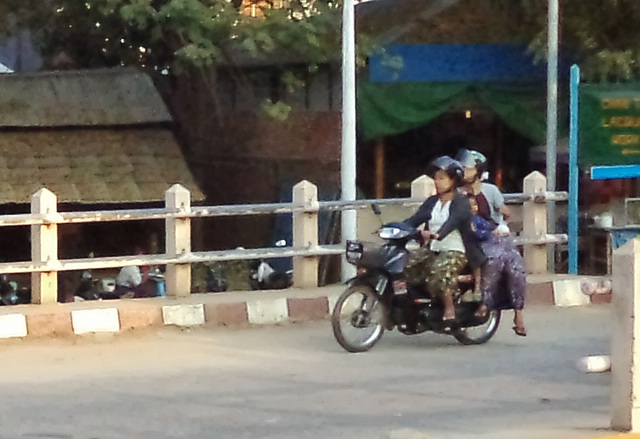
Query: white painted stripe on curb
x,y
13,325
183,315
332,302
264,312
85,321
568,292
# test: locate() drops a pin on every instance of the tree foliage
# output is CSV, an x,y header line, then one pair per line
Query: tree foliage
x,y
602,35
178,35
174,34
183,38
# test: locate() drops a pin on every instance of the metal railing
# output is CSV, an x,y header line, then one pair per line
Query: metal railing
x,y
178,213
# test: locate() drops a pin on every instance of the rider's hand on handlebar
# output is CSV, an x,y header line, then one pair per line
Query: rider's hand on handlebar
x,y
428,235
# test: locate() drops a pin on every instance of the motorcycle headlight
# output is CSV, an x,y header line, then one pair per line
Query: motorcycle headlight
x,y
389,233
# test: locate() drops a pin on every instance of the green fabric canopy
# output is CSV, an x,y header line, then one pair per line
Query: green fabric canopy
x,y
392,108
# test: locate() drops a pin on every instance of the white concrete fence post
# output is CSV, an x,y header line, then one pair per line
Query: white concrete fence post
x,y
422,188
178,241
534,224
625,349
44,247
305,234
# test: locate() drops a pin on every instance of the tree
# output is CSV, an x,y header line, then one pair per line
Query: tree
x,y
603,36
178,34
178,37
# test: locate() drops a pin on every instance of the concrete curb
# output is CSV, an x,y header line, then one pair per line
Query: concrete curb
x,y
620,436
233,309
566,290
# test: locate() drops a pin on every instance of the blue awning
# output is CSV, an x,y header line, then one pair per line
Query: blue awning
x,y
458,63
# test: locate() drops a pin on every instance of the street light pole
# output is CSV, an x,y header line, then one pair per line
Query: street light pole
x,y
348,158
552,117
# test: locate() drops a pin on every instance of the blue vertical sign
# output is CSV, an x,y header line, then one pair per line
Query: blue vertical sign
x,y
573,170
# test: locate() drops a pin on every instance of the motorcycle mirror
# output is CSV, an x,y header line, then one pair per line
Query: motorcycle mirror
x,y
376,209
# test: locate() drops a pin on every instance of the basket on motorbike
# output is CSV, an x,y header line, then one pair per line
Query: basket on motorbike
x,y
367,254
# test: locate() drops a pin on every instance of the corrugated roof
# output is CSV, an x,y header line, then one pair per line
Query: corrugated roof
x,y
100,97
92,166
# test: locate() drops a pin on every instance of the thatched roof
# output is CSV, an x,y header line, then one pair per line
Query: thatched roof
x,y
90,136
91,166
102,97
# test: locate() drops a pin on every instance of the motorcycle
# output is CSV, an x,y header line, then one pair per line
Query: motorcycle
x,y
379,298
273,274
94,289
90,288
13,294
266,278
216,279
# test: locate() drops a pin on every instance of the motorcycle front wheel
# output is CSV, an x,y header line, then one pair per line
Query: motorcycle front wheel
x,y
479,334
357,319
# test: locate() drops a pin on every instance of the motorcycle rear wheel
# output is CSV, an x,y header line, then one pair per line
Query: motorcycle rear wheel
x,y
481,334
357,319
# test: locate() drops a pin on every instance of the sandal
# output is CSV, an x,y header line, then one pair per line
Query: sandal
x,y
519,330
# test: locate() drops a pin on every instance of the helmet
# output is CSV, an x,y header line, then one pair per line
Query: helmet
x,y
452,167
472,159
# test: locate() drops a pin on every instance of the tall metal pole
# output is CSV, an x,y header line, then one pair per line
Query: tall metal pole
x,y
573,171
348,159
552,117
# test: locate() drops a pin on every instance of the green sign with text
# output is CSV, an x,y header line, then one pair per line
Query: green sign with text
x,y
609,124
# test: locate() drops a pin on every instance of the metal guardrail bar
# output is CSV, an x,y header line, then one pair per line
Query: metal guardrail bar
x,y
541,197
28,219
21,219
162,259
281,252
366,204
115,215
195,212
549,239
244,209
211,256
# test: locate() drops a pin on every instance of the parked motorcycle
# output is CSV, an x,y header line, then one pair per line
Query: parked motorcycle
x,y
94,289
266,277
13,294
379,298
216,278
105,289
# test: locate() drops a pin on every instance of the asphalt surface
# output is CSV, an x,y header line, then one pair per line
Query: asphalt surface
x,y
294,381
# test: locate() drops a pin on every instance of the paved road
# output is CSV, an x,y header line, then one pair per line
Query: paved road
x,y
294,381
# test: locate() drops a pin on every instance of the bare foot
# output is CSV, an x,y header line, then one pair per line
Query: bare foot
x,y
482,312
448,315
